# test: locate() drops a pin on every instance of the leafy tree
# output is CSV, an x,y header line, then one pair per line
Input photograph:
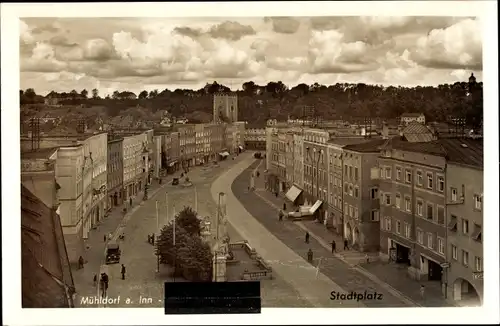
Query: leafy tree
x,y
95,93
116,95
143,94
84,93
30,93
187,219
153,93
73,93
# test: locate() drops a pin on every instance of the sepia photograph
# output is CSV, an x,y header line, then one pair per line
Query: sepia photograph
x,y
338,160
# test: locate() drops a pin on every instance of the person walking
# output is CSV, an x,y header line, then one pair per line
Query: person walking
x,y
422,291
105,280
95,279
284,206
307,237
80,262
105,238
123,272
280,216
110,236
310,255
153,239
334,246
346,244
130,201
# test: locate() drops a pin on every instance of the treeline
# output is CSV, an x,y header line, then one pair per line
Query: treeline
x,y
275,100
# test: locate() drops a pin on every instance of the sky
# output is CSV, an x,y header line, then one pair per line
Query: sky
x,y
134,54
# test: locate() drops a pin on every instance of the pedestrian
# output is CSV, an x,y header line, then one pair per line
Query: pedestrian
x,y
284,206
95,279
422,291
130,201
310,256
102,285
346,244
334,246
105,238
307,237
110,236
80,262
105,279
149,238
123,272
153,239
276,194
280,217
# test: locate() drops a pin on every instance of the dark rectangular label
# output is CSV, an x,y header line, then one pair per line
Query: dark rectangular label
x,y
212,297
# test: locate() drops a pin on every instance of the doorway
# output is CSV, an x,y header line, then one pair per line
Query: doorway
x,y
402,254
435,271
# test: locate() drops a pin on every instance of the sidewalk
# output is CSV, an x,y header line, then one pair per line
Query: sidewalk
x,y
95,244
394,279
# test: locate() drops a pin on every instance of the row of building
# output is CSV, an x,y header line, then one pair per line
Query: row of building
x,y
409,195
83,176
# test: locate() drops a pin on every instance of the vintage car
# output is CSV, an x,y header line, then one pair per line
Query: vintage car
x,y
300,212
257,155
175,181
113,253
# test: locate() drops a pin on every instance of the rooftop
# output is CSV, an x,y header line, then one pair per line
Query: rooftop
x,y
42,153
416,132
432,147
344,141
45,264
464,151
370,146
411,115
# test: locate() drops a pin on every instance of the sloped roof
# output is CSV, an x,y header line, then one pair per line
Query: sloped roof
x,y
411,115
371,146
432,147
416,132
45,265
464,151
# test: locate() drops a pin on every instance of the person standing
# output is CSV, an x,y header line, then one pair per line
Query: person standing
x,y
153,239
80,262
95,279
280,216
284,206
310,256
110,236
334,246
422,291
307,237
346,244
123,272
105,280
105,238
130,201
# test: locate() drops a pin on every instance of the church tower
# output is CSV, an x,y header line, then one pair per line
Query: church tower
x,y
225,107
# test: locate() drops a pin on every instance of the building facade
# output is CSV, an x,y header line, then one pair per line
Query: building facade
x,y
412,209
133,175
187,145
157,145
298,159
115,173
225,108
464,219
406,118
255,139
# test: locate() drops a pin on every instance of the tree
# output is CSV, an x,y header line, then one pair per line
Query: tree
x,y
84,93
187,219
73,93
115,95
249,88
30,93
143,94
153,93
95,93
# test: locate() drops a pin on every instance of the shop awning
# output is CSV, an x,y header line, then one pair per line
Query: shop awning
x,y
241,147
224,154
293,193
315,207
477,232
453,223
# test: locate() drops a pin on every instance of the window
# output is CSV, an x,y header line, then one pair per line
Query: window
x,y
408,176
430,211
440,214
356,212
440,184
465,226
420,236
398,227
478,202
477,234
454,252
398,173
356,173
346,188
388,223
335,201
350,172
419,178
430,240
441,245
346,209
478,264
351,211
387,199
374,193
375,215
398,200
356,192
429,180
350,190
345,170
388,172
408,204
465,258
420,207
454,193
407,230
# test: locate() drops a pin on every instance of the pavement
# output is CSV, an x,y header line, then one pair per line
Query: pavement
x,y
143,284
375,274
287,263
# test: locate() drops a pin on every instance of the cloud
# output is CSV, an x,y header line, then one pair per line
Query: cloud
x,y
261,48
42,60
455,47
284,25
231,30
49,28
188,31
61,40
329,54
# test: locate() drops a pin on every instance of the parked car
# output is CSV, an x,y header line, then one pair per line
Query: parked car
x,y
113,253
175,181
300,212
257,155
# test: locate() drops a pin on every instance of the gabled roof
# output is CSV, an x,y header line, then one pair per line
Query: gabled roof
x,y
371,146
46,273
416,132
464,151
411,115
